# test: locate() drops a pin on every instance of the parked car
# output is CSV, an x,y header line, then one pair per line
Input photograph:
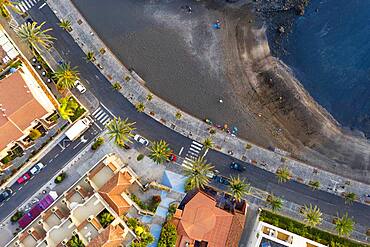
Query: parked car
x,y
237,167
222,180
80,87
25,177
212,174
36,168
141,140
172,157
5,194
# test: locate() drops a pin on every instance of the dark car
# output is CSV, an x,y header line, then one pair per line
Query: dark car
x,y
222,180
5,194
237,167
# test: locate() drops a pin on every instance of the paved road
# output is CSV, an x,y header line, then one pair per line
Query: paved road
x,y
153,130
53,161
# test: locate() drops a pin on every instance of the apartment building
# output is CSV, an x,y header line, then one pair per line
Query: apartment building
x,y
79,211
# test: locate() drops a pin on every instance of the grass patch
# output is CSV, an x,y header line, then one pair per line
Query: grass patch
x,y
314,234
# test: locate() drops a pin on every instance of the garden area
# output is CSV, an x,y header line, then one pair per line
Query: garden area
x,y
141,230
58,179
314,234
150,205
105,218
70,109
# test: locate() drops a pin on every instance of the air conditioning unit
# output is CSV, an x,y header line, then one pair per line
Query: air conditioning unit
x,y
64,242
54,209
74,233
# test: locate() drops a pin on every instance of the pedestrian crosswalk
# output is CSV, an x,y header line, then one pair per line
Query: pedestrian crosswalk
x,y
101,116
25,5
192,154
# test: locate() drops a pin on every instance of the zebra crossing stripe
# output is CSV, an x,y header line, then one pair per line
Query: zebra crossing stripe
x,y
20,7
24,6
98,109
193,154
197,144
34,1
189,167
104,118
97,114
194,150
195,147
101,116
187,163
107,121
26,3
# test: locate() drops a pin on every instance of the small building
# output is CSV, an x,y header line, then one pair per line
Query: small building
x,y
209,218
272,236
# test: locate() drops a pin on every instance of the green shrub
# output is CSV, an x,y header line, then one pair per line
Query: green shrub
x,y
168,236
98,142
6,159
188,185
34,134
248,146
140,157
60,178
151,206
16,216
132,223
301,229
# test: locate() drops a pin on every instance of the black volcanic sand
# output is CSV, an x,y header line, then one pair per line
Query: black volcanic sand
x,y
178,54
192,66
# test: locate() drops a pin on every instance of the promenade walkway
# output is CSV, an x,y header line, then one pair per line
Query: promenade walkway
x,y
133,88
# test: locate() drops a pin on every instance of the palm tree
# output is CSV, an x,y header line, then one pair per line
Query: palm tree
x,y
105,219
120,130
140,107
238,188
75,242
66,25
66,76
34,35
160,151
283,174
4,4
149,97
67,107
90,56
178,115
275,202
117,86
208,143
350,197
312,214
197,173
344,225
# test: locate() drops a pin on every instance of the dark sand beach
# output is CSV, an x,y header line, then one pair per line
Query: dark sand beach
x,y
188,63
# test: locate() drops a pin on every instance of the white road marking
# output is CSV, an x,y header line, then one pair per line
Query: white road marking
x,y
50,160
107,109
197,144
42,5
56,155
106,121
194,150
182,149
97,126
20,188
195,147
77,145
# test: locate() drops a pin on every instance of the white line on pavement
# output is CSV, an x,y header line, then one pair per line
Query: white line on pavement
x,y
107,109
20,188
50,160
77,145
97,126
205,153
197,144
56,155
96,111
42,5
182,149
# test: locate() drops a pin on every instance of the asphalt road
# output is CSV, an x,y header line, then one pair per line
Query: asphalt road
x,y
146,126
53,161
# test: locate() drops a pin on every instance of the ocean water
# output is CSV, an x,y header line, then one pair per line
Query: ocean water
x,y
329,52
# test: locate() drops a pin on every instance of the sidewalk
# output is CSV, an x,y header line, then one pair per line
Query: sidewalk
x,y
134,90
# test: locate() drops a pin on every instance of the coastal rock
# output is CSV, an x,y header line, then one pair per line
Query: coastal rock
x,y
281,29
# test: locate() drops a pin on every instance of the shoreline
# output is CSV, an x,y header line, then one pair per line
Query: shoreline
x,y
310,132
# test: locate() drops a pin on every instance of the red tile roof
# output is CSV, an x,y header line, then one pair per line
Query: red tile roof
x,y
112,191
18,108
201,220
112,236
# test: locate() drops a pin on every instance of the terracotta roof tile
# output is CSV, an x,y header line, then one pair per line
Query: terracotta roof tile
x,y
201,220
112,191
21,108
112,236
